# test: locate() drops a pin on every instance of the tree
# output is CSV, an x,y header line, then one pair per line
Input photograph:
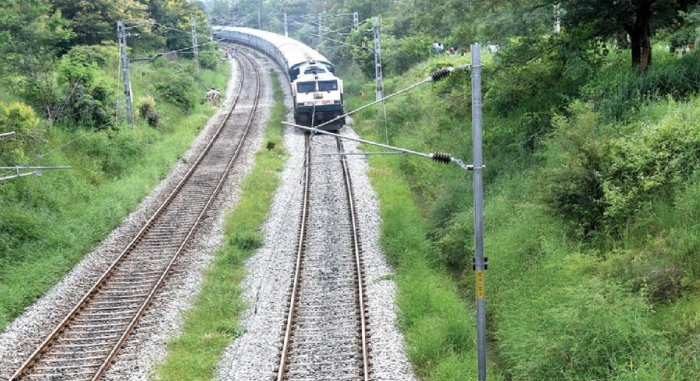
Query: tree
x,y
95,21
639,19
30,32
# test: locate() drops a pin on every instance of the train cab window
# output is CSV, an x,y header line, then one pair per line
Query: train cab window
x,y
327,85
294,73
306,87
314,70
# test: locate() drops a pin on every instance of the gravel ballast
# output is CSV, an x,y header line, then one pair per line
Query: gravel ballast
x,y
164,318
255,354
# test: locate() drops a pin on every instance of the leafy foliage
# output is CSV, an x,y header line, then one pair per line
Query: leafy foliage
x,y
21,119
176,90
147,111
601,182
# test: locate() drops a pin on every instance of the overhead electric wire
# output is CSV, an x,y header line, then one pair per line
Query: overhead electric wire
x,y
435,156
334,40
158,55
434,77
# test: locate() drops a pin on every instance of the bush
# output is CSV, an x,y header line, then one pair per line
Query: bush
x,y
177,89
85,88
572,176
21,119
147,111
402,54
654,160
209,59
594,179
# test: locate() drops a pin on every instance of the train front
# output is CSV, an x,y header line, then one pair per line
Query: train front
x,y
318,99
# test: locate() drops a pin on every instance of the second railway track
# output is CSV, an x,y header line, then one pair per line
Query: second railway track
x,y
326,329
84,344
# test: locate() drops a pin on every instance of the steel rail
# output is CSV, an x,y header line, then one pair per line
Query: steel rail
x,y
358,260
94,290
357,256
301,239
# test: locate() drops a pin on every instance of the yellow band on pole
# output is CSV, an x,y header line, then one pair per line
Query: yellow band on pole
x,y
480,284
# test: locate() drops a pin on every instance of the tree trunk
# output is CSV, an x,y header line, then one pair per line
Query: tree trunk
x,y
640,36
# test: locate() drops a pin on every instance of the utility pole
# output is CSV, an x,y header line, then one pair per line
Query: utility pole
x,y
378,72
123,54
286,25
480,261
355,21
195,44
557,18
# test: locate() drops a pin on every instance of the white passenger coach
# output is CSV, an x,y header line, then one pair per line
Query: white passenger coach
x,y
317,92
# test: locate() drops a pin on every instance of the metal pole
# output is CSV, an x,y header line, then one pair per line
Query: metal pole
x,y
195,45
378,72
286,25
480,264
128,93
260,5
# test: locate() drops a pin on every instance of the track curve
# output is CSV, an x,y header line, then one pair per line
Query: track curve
x,y
84,344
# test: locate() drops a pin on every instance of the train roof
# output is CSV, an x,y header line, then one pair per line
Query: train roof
x,y
295,52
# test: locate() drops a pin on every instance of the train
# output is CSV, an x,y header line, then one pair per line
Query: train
x,y
317,91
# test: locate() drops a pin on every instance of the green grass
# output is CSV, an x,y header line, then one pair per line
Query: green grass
x,y
48,224
212,323
438,325
561,307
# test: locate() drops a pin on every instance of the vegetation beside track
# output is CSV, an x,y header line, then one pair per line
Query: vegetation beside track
x,y
212,323
592,213
61,92
48,224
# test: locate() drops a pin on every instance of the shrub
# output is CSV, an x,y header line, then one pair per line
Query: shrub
x,y
593,179
651,161
209,59
85,89
177,89
21,119
147,111
402,54
572,176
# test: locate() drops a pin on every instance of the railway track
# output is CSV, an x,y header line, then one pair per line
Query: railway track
x,y
87,340
326,330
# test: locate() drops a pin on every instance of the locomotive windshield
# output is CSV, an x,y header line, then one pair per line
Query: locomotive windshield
x,y
314,70
327,85
306,87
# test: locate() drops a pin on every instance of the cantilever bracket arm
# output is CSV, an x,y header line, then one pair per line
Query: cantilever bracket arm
x,y
435,156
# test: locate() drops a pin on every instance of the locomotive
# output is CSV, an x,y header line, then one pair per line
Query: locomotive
x,y
317,91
